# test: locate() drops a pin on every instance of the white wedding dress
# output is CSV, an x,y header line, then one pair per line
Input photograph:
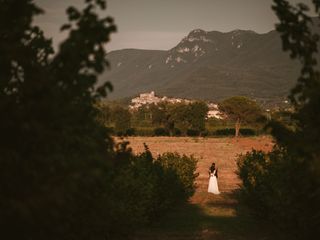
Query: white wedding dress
x,y
213,184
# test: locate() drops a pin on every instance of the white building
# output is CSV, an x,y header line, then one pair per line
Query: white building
x,y
143,99
214,111
214,114
151,98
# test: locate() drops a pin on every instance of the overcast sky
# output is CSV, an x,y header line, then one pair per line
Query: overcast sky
x,y
161,24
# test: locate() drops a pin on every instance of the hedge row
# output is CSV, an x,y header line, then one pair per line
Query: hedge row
x,y
190,132
231,131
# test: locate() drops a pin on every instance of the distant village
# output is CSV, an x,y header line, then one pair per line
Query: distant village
x,y
151,98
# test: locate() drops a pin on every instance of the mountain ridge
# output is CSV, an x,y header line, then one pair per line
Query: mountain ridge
x,y
209,65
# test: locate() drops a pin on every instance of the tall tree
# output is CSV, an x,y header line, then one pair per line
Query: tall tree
x,y
178,116
159,114
302,143
122,120
298,38
241,110
284,185
197,114
54,154
104,116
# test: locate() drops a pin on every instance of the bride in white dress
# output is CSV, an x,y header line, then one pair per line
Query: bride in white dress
x,y
213,181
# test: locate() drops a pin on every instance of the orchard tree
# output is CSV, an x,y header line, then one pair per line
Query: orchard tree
x,y
290,175
61,175
55,156
300,36
241,110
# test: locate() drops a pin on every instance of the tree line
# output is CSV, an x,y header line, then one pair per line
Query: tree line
x,y
184,119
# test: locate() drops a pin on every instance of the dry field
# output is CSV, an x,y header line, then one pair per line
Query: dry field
x,y
208,216
222,151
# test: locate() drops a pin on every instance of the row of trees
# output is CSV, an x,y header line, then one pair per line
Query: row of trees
x,y
170,117
61,174
181,119
284,185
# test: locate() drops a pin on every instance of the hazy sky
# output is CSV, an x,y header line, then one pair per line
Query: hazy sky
x,y
161,24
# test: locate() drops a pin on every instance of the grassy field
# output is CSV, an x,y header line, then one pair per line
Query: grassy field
x,y
208,216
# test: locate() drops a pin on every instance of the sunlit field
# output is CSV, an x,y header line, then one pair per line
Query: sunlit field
x,y
222,151
208,216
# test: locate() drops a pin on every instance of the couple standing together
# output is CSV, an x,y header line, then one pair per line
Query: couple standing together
x,y
213,179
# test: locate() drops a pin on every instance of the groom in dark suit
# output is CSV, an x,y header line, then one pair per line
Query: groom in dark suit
x,y
212,168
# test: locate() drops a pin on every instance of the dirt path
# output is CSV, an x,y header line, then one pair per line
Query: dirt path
x,y
208,216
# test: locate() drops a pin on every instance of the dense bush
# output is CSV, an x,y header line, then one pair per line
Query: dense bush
x,y
224,132
247,132
56,158
185,168
145,188
161,132
231,132
177,132
252,169
125,132
284,185
147,131
193,132
131,132
204,133
277,187
61,175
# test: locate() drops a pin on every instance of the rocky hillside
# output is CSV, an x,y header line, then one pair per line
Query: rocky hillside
x,y
207,65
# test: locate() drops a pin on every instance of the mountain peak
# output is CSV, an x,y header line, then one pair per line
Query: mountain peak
x,y
239,31
197,35
197,31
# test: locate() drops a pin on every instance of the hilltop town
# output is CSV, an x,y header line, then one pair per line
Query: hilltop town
x,y
151,98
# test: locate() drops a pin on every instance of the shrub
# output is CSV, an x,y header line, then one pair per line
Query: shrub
x,y
204,133
224,132
193,132
184,166
277,186
177,132
247,132
252,171
127,132
291,180
147,131
130,132
161,132
143,188
231,132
